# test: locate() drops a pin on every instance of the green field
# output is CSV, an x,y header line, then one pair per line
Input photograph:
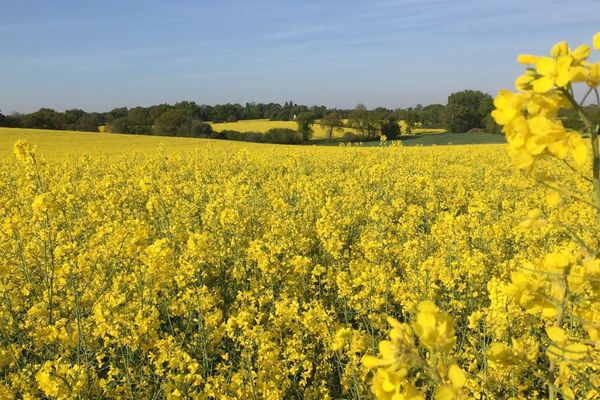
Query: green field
x,y
452,138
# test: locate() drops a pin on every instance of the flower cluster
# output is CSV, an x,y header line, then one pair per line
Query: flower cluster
x,y
530,117
402,365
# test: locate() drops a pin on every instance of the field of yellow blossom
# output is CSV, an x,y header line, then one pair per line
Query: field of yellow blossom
x,y
212,269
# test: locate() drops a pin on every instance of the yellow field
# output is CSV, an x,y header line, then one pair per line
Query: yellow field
x,y
59,143
428,130
223,270
263,125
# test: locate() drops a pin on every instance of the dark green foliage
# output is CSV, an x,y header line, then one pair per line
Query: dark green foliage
x,y
456,118
390,128
428,117
201,129
44,118
365,122
276,135
173,123
282,136
305,121
4,120
332,122
467,109
491,126
351,137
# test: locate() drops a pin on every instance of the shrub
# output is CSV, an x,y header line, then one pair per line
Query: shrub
x,y
283,136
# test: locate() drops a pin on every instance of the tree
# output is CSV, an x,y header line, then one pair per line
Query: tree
x,y
201,129
119,112
44,118
305,121
456,118
364,121
332,122
4,121
390,128
466,110
431,116
173,123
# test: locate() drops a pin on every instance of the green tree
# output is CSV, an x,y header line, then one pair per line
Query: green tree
x,y
456,118
390,128
332,122
466,110
364,122
305,120
4,121
44,118
173,123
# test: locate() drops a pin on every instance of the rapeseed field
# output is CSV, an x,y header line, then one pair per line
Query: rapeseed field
x,y
228,270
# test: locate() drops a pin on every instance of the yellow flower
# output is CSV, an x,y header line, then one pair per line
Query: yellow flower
x,y
560,49
453,390
552,71
526,289
597,41
562,347
553,198
527,59
388,385
23,151
590,74
581,53
434,328
508,106
399,353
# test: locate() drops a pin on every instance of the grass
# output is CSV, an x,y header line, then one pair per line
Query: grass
x,y
452,138
435,139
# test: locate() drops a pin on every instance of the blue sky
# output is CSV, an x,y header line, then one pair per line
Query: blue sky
x,y
100,54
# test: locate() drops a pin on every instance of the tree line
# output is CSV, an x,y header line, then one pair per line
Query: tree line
x,y
464,111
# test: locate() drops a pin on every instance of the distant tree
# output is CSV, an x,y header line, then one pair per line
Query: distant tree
x,y
282,136
390,128
318,111
155,112
44,118
491,126
4,120
201,129
173,123
191,109
140,120
119,112
456,118
364,122
466,110
332,122
71,117
121,125
305,120
227,112
283,115
431,116
16,120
